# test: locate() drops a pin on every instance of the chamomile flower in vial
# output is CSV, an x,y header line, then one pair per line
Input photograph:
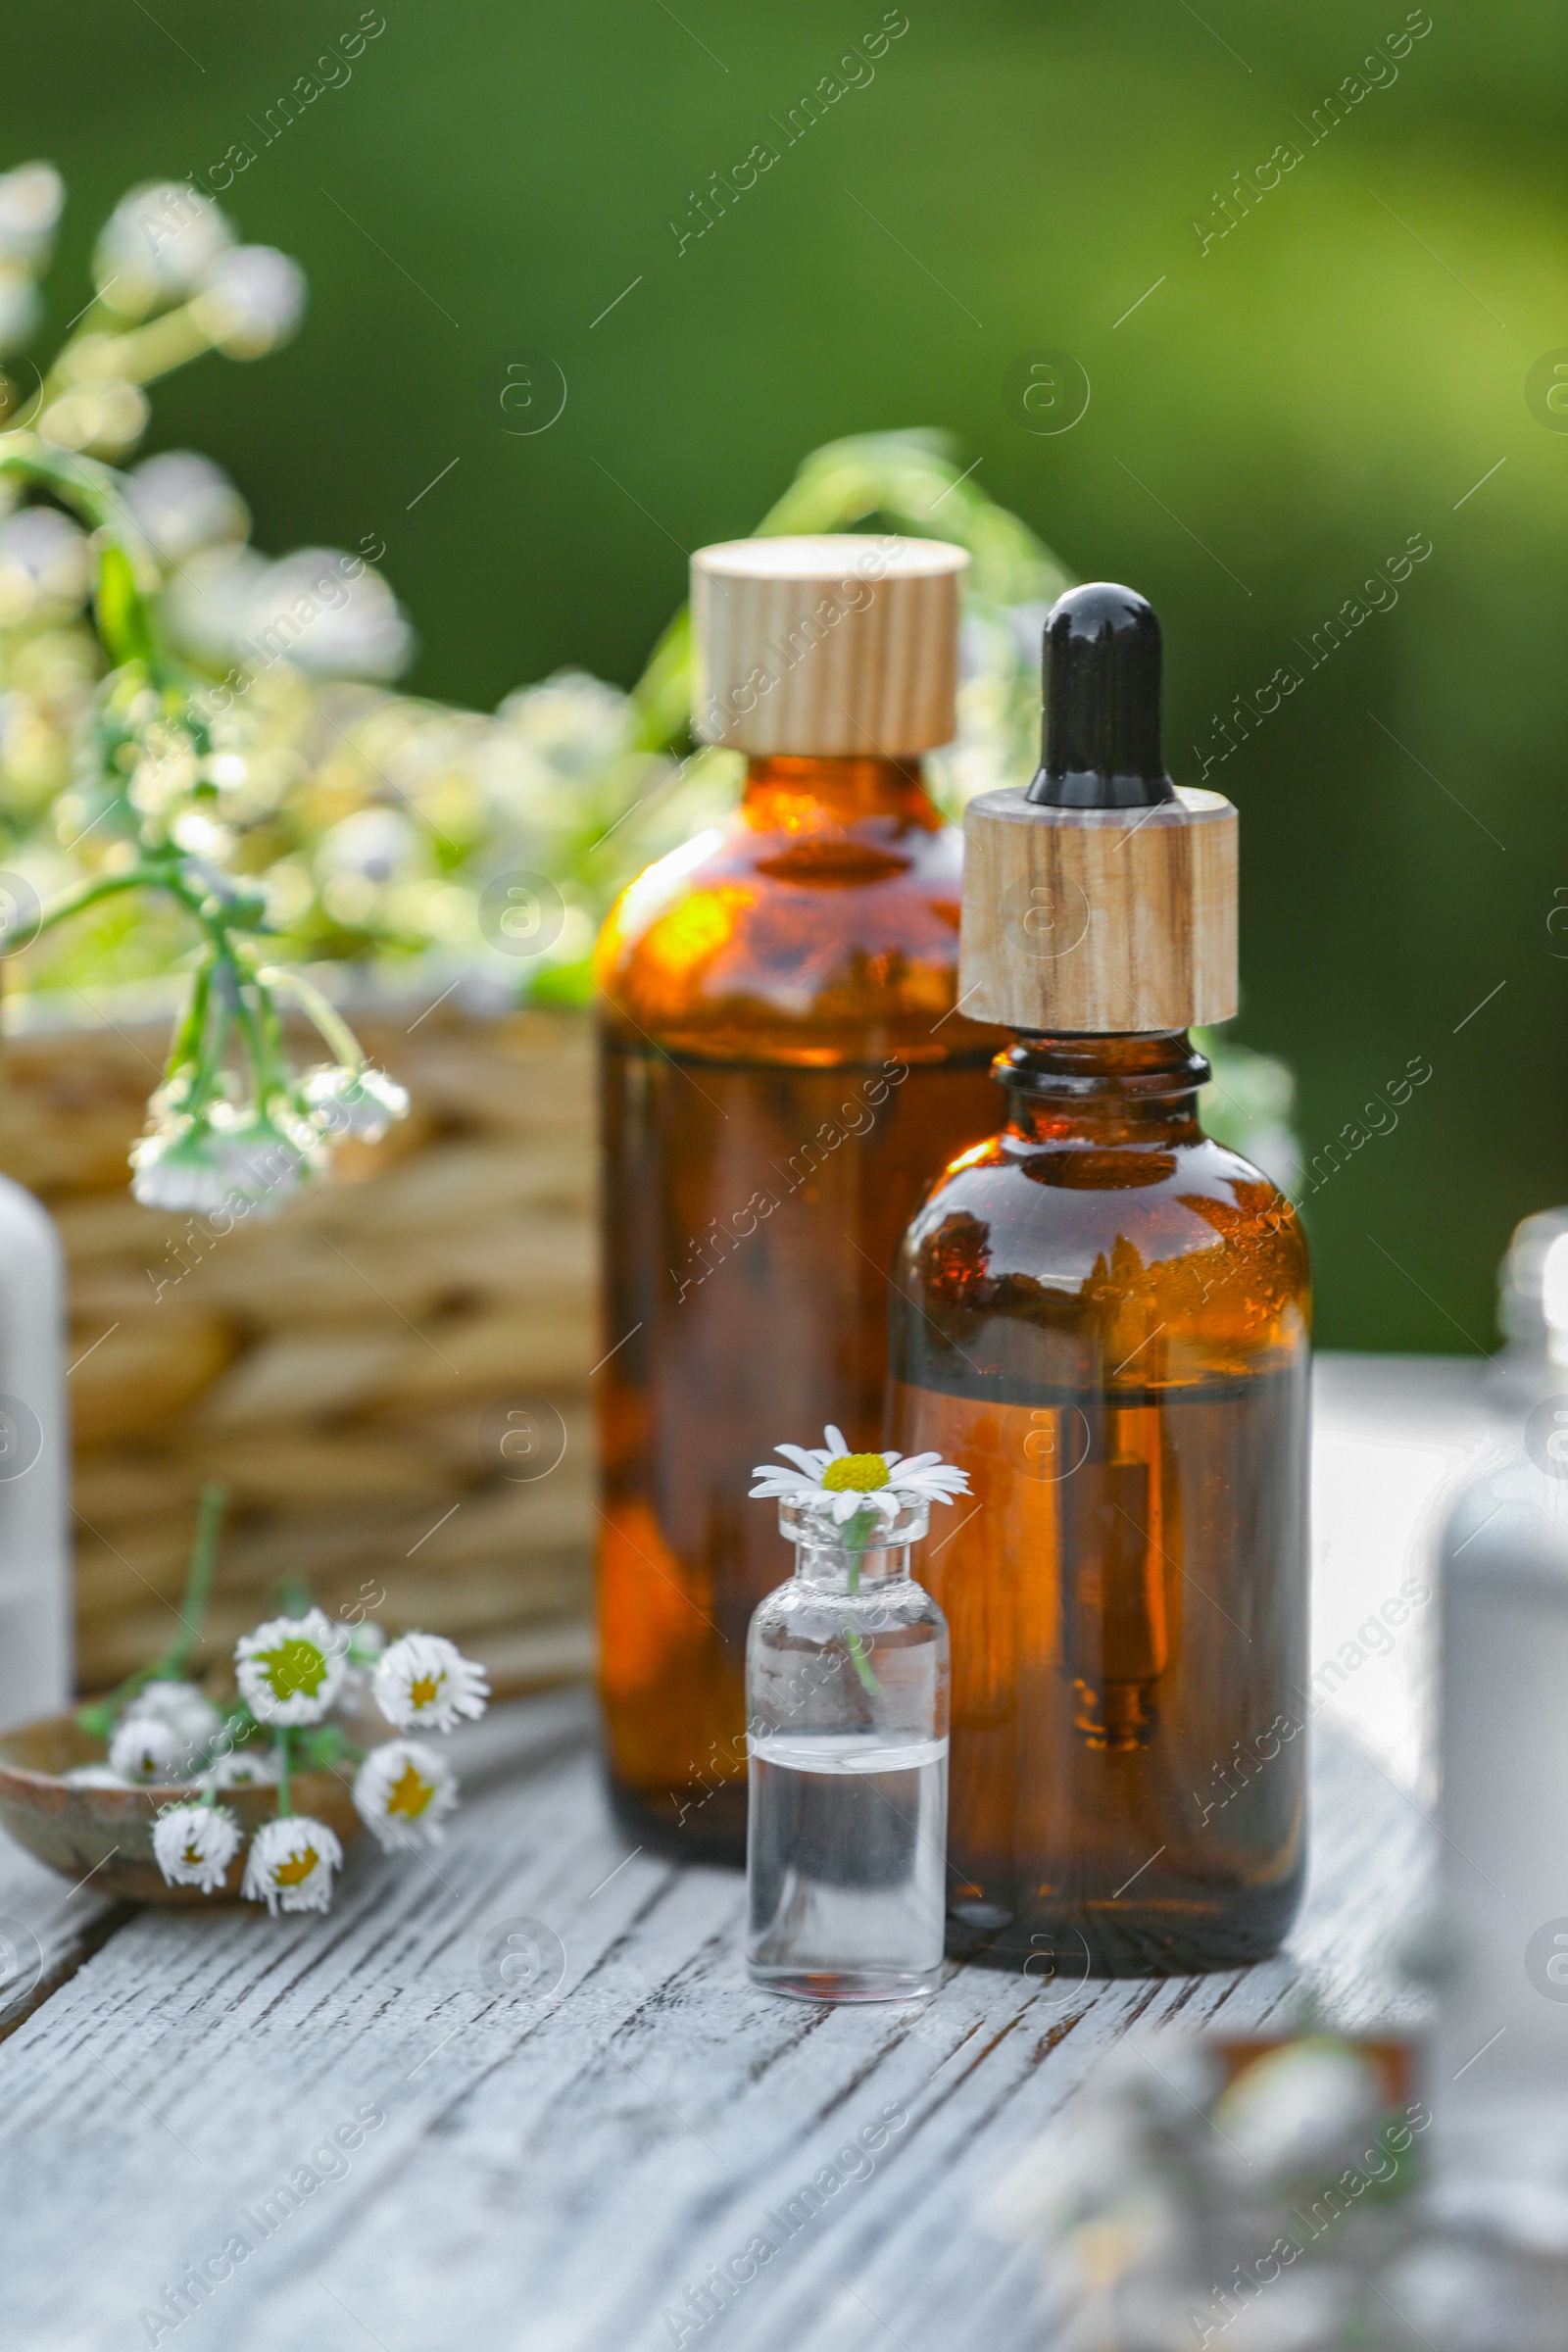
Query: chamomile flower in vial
x,y
846,1730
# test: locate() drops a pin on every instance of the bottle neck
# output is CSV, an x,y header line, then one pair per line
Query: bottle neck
x,y
839,1568
1140,1089
791,793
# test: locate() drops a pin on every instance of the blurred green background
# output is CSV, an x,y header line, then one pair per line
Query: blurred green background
x,y
1269,423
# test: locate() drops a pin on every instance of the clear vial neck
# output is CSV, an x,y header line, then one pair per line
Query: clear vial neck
x,y
838,1568
870,1548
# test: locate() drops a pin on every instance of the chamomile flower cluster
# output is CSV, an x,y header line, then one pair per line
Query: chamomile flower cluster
x,y
249,750
303,1683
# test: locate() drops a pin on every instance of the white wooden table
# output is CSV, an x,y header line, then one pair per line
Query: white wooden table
x,y
556,2165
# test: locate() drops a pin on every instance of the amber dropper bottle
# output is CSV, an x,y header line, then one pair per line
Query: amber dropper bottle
x,y
783,1067
1104,1321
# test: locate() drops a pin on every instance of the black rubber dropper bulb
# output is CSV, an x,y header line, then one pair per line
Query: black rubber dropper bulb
x,y
1101,690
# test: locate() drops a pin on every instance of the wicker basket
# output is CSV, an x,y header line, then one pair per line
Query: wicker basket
x,y
334,1364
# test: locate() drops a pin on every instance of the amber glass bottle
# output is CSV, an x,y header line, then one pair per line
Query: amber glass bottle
x,y
1104,1321
783,1068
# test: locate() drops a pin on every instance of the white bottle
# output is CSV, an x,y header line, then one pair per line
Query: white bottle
x,y
1500,2085
36,1649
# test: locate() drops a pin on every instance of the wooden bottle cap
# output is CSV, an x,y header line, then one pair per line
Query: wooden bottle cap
x,y
1098,920
840,645
1101,901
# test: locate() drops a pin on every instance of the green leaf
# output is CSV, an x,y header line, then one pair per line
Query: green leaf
x,y
123,622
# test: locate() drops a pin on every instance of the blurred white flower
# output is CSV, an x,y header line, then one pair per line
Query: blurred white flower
x,y
147,1750
290,1865
105,418
361,1103
243,1768
424,1683
377,842
194,1846
193,830
177,1168
21,305
402,1791
207,603
253,300
1297,2109
259,1164
189,1714
31,198
309,609
290,1669
182,501
312,608
160,244
572,721
45,566
228,1160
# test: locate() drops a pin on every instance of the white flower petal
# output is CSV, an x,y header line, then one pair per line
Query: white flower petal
x,y
291,1669
401,1792
244,1768
179,1705
274,1872
424,1683
148,1751
783,1481
844,1505
161,242
194,1846
252,300
811,1460
361,1103
835,1439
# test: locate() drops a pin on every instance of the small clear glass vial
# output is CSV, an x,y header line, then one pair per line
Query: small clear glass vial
x,y
846,1730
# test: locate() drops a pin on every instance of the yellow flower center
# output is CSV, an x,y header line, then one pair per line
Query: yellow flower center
x,y
408,1794
192,1857
297,1869
293,1666
855,1474
424,1689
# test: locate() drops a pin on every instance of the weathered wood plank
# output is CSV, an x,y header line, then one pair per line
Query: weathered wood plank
x,y
561,2169
47,1928
558,2167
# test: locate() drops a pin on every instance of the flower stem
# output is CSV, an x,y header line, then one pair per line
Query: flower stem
x,y
173,1663
856,1539
199,1576
325,1017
